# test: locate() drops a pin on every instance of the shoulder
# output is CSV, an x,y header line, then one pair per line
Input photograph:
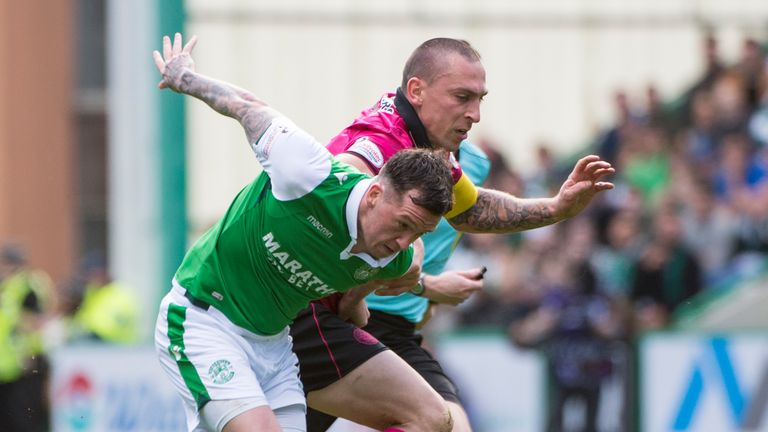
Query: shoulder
x,y
375,136
294,160
472,151
474,162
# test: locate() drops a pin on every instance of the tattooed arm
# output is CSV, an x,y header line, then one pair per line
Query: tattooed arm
x,y
500,212
178,71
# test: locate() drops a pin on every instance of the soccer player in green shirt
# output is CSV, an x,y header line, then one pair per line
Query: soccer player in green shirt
x,y
307,227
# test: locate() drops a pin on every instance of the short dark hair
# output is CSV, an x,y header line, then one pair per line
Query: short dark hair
x,y
425,59
424,171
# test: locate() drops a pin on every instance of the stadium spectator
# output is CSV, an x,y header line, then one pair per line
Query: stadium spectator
x,y
666,274
750,69
105,310
611,144
616,251
758,122
573,325
646,165
713,68
26,302
709,231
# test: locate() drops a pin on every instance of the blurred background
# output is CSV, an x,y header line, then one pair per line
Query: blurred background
x,y
648,312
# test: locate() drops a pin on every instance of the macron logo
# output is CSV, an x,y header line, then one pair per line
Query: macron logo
x,y
318,226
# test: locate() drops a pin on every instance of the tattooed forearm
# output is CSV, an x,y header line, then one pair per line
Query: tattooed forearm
x,y
498,212
229,100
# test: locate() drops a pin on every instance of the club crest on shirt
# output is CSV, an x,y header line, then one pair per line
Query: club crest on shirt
x,y
221,371
369,151
365,272
387,105
363,337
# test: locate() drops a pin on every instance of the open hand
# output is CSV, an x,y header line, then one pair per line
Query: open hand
x,y
174,61
584,182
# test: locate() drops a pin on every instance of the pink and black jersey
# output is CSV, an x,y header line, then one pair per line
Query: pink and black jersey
x,y
381,131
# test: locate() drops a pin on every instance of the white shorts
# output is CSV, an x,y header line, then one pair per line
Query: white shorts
x,y
209,358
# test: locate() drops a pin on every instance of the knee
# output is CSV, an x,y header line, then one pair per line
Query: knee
x,y
436,416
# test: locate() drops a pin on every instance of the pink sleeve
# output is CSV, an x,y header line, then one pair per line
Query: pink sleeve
x,y
373,147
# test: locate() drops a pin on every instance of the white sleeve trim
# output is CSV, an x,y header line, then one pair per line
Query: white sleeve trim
x,y
368,150
292,158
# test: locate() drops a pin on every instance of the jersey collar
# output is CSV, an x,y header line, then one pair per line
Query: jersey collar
x,y
353,206
412,121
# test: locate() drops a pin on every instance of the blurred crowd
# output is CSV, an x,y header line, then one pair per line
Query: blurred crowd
x,y
36,317
689,215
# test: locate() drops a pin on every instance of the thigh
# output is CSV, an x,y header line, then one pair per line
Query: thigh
x,y
329,348
407,344
379,393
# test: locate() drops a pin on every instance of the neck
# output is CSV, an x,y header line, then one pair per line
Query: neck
x,y
412,121
362,214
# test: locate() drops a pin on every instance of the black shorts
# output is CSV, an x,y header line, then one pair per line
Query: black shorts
x,y
328,348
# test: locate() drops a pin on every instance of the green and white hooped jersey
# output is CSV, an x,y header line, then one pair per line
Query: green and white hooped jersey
x,y
286,238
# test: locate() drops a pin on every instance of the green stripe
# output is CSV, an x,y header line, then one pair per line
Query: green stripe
x,y
176,316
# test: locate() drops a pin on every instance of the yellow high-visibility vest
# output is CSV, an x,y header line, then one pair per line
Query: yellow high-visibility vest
x,y
18,344
110,312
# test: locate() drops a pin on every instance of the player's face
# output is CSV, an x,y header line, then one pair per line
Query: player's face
x,y
450,104
394,223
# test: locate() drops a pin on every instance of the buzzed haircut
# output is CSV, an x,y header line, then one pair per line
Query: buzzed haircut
x,y
425,60
426,172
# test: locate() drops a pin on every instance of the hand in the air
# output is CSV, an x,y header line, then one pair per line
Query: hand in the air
x,y
174,61
584,182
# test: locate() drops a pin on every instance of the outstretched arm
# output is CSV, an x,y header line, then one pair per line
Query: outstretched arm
x,y
178,71
500,212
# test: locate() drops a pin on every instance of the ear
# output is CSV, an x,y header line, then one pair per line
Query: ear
x,y
414,91
374,194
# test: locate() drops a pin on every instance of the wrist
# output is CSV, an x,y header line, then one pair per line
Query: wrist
x,y
419,288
